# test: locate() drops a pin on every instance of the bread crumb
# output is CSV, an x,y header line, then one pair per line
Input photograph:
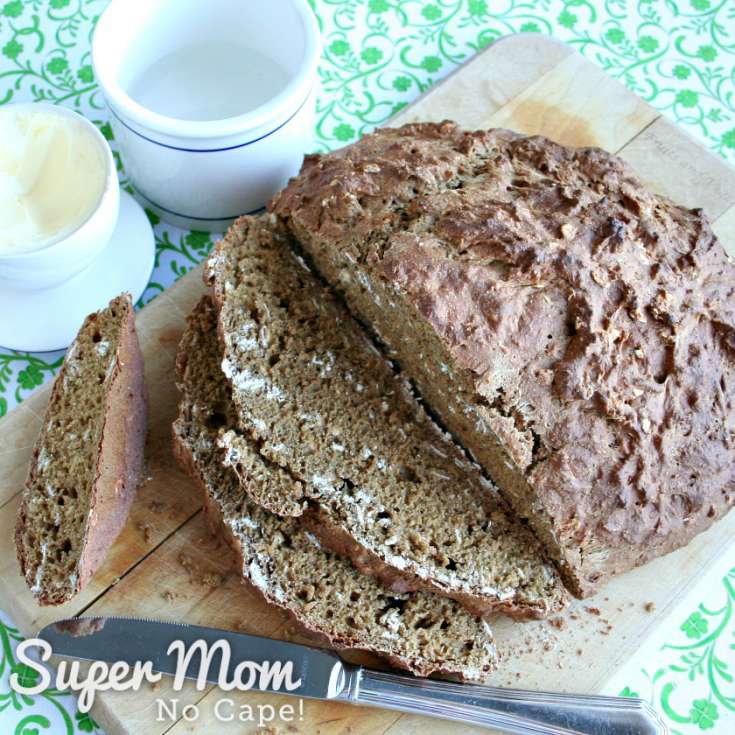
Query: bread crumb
x,y
198,576
291,631
649,607
145,530
593,610
211,579
185,562
559,623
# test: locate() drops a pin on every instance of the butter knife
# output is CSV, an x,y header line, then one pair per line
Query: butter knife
x,y
321,674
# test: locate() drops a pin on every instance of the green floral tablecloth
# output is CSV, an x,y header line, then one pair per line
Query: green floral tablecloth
x,y
379,55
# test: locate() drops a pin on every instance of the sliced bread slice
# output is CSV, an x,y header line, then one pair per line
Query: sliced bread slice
x,y
323,592
87,459
372,475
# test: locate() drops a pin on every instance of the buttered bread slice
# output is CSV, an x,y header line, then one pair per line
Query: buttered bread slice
x,y
416,631
353,452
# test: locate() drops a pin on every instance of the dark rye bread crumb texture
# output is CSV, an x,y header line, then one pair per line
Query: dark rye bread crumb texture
x,y
87,460
575,331
354,454
326,595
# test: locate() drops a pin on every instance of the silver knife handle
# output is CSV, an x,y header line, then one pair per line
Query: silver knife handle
x,y
509,710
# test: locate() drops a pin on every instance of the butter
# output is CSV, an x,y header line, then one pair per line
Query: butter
x,y
52,175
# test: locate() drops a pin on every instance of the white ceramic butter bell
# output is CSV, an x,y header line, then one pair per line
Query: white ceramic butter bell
x,y
211,103
70,240
59,195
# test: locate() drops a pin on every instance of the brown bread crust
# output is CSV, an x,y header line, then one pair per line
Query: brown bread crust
x,y
118,464
320,636
193,438
336,538
262,248
575,331
121,453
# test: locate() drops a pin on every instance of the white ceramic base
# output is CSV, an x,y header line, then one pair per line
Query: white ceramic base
x,y
49,319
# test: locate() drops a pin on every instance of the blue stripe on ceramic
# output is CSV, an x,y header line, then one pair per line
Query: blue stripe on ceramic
x,y
200,219
207,150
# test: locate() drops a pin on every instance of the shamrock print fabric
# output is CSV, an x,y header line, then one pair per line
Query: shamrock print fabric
x,y
687,668
379,55
53,712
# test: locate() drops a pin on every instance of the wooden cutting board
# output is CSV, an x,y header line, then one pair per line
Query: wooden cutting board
x,y
166,564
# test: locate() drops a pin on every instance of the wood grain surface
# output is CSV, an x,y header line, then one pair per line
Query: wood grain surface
x,y
166,565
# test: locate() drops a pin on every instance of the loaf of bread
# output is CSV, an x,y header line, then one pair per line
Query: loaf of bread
x,y
351,450
88,457
328,597
575,331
